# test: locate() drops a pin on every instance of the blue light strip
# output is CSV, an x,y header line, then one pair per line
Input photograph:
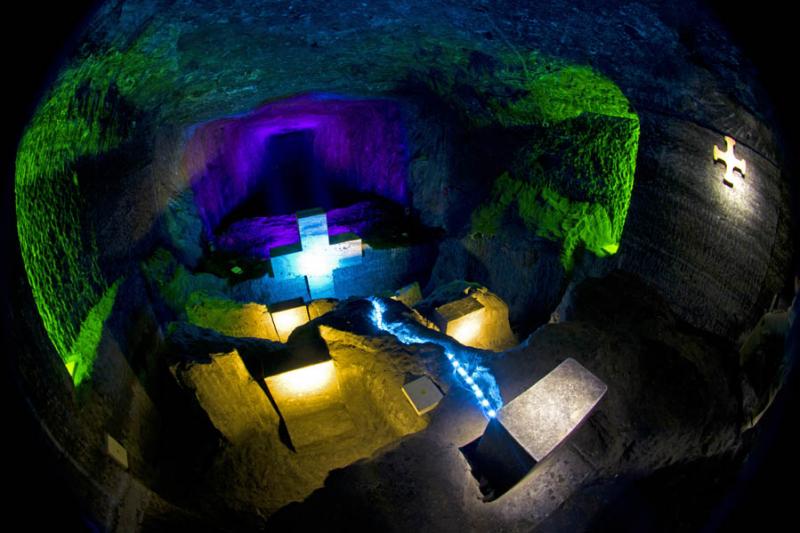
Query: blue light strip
x,y
400,331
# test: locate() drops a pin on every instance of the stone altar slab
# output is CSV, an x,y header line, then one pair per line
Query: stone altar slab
x,y
533,424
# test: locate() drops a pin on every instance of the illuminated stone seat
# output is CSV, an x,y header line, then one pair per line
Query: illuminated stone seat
x,y
534,423
474,316
287,316
461,319
305,389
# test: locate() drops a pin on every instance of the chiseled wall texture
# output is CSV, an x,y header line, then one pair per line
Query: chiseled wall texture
x,y
717,253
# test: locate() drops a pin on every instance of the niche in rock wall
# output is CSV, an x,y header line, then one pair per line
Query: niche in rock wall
x,y
295,154
250,176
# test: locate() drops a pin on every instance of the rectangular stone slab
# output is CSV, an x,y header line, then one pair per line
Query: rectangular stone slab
x,y
305,390
534,423
452,311
461,319
310,401
288,315
116,451
544,415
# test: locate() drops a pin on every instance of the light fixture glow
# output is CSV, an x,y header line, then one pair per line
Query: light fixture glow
x,y
287,319
313,379
611,248
315,263
462,320
302,392
467,329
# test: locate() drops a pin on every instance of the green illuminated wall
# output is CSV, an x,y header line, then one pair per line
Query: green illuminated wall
x,y
582,199
572,181
81,117
572,113
83,351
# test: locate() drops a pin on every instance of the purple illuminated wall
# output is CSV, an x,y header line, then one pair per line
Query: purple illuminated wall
x,y
254,237
356,145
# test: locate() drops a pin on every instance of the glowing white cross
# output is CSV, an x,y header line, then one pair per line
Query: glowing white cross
x,y
317,255
730,160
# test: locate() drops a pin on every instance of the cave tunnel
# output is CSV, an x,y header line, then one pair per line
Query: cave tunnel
x,y
447,266
310,151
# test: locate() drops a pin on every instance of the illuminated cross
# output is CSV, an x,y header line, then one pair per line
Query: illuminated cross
x,y
317,255
731,163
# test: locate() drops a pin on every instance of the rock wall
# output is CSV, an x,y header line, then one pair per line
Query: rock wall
x,y
232,318
237,406
679,73
673,390
523,270
717,253
70,426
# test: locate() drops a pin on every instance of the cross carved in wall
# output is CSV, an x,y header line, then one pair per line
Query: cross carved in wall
x,y
730,160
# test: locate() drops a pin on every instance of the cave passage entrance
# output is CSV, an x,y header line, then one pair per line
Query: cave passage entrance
x,y
293,178
251,174
303,152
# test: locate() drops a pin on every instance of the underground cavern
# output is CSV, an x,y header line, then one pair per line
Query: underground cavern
x,y
440,266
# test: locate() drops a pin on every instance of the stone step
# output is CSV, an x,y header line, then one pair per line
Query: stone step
x,y
311,428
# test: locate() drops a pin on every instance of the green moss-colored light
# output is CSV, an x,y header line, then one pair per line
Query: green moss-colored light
x,y
556,92
83,352
235,319
178,287
78,119
583,121
611,248
572,115
487,219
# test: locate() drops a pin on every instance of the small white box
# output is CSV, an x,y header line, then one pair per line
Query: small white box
x,y
423,394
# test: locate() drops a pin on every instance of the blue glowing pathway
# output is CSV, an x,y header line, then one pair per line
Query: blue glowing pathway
x,y
477,378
